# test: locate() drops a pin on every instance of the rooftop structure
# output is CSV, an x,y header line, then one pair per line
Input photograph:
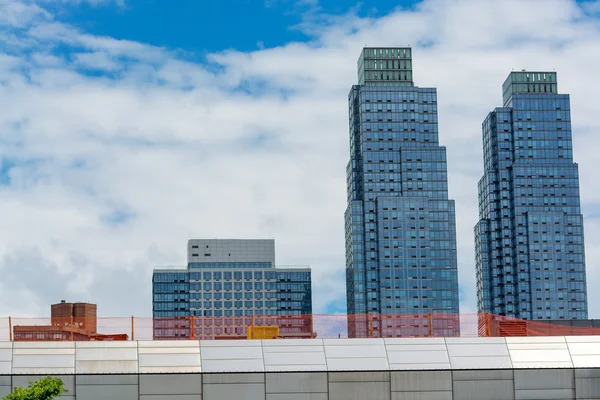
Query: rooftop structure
x,y
68,322
349,369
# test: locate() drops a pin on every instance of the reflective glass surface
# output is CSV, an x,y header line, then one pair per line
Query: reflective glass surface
x,y
400,224
529,247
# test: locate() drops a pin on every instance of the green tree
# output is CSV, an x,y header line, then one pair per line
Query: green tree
x,y
47,388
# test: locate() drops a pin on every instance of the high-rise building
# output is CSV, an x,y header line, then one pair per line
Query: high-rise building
x,y
529,240
400,224
225,286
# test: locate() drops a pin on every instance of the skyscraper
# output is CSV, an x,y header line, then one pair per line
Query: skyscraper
x,y
400,224
529,239
225,285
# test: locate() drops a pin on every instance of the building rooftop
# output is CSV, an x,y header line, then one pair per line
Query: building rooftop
x,y
400,354
385,66
528,82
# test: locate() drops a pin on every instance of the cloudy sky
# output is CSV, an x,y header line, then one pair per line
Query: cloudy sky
x,y
130,126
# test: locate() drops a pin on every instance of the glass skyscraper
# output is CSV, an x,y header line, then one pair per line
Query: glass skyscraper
x,y
529,240
400,225
226,285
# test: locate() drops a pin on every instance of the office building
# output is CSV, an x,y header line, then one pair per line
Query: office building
x,y
227,286
400,224
529,239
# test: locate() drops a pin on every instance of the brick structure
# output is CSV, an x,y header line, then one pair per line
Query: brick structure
x,y
68,321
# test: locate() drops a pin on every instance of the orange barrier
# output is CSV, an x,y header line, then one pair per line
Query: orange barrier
x,y
326,326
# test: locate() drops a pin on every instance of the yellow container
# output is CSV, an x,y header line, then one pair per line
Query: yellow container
x,y
263,332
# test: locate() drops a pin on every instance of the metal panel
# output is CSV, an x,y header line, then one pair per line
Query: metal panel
x,y
113,380
107,392
106,357
483,375
299,382
417,354
422,395
539,352
478,353
295,361
294,355
297,396
587,383
421,381
544,384
31,358
484,390
550,394
226,379
5,358
359,391
359,376
169,356
587,388
357,364
266,344
231,356
171,397
170,384
255,365
584,350
421,385
231,353
540,379
246,391
414,341
356,354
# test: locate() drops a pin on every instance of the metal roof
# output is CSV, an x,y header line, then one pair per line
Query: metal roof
x,y
399,354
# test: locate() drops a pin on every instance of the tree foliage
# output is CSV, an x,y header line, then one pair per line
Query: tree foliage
x,y
47,388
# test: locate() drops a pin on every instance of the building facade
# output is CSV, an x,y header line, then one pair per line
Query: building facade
x,y
400,225
529,248
68,322
227,286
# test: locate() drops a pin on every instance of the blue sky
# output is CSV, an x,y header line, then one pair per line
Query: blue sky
x,y
200,26
128,127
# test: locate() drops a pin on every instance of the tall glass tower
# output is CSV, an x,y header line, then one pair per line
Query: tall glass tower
x,y
401,273
529,240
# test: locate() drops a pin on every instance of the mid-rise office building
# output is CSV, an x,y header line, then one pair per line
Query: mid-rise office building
x,y
225,287
529,239
400,225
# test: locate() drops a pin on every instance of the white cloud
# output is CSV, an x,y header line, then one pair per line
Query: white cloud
x,y
258,149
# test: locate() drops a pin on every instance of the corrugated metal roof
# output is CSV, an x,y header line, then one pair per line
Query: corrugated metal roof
x,y
399,354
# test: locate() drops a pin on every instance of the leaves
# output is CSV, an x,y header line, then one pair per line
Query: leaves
x,y
47,388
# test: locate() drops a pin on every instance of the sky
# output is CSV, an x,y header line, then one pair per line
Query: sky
x,y
128,127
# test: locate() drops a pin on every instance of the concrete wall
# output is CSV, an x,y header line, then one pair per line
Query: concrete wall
x,y
531,384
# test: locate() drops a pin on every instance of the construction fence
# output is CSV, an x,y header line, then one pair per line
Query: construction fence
x,y
323,326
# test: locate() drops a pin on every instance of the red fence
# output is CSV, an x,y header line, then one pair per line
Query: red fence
x,y
292,326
